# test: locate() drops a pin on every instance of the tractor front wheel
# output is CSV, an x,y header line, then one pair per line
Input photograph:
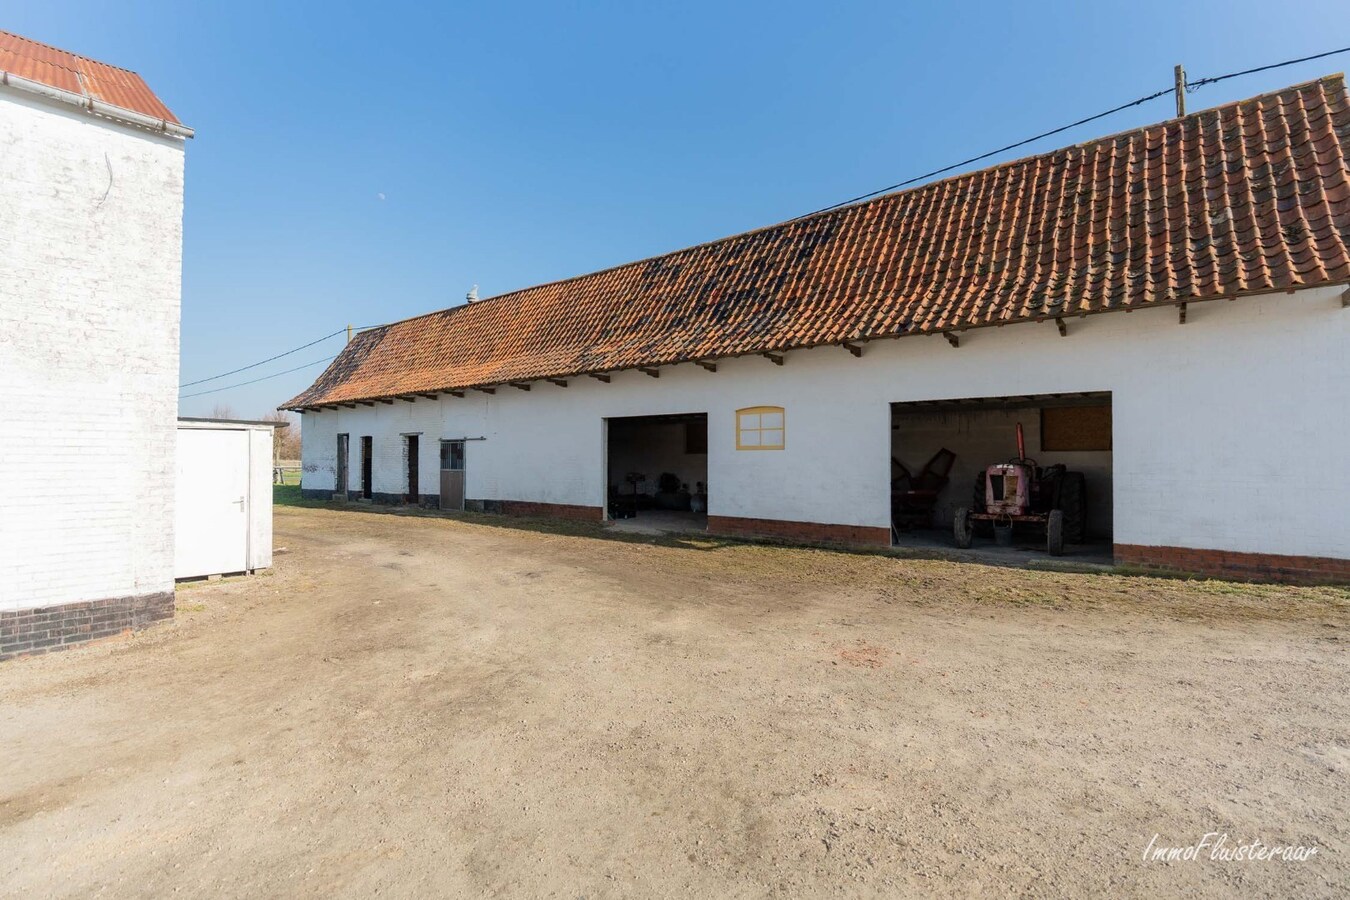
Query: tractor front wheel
x,y
1054,533
963,527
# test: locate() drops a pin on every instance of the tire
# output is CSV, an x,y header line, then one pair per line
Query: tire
x,y
1073,501
963,527
1054,533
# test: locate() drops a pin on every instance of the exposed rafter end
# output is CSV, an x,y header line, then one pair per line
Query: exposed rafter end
x,y
855,349
1345,298
367,402
655,373
703,363
430,396
387,401
952,339
560,382
775,358
598,377
520,385
408,399
486,390
459,394
1181,314
347,405
1063,329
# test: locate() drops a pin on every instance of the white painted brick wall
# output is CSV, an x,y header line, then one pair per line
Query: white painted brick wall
x,y
1229,431
91,219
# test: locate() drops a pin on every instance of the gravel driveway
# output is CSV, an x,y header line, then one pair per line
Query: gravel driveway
x,y
426,706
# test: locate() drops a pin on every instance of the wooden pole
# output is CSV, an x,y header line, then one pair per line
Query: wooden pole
x,y
1179,74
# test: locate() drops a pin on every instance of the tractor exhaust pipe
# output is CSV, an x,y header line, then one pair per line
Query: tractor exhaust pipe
x,y
1021,444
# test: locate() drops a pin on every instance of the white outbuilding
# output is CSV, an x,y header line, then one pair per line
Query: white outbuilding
x,y
223,502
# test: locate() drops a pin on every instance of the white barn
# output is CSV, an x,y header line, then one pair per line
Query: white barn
x,y
778,376
91,211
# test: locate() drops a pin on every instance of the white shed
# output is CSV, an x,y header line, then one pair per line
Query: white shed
x,y
223,518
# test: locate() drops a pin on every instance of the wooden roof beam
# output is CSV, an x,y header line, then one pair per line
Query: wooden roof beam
x,y
599,377
655,373
952,339
459,394
1063,329
560,382
430,396
710,366
486,390
387,400
775,358
520,385
855,349
408,399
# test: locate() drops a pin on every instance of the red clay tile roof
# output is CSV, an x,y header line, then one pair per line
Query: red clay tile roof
x,y
88,77
1245,198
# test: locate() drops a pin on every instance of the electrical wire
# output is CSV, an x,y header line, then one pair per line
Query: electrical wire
x,y
256,380
263,362
1201,82
1190,86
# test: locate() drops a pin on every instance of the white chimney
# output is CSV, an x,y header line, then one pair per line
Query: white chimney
x,y
472,295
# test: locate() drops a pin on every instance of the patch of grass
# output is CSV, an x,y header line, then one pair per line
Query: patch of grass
x,y
289,495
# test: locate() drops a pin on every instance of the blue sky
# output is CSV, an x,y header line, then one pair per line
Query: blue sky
x,y
360,163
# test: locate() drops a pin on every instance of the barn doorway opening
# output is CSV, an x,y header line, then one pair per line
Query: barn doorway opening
x,y
1049,494
657,472
367,463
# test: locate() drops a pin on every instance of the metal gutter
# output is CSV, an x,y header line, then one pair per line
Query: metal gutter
x,y
98,107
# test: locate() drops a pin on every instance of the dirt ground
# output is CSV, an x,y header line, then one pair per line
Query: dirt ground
x,y
425,706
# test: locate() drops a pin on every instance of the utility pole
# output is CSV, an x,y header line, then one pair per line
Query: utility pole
x,y
1180,90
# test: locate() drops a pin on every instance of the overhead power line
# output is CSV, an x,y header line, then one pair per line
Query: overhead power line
x,y
1201,82
256,380
263,362
1190,85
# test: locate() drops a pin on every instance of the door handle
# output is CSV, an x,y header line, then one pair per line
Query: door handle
x,y
240,501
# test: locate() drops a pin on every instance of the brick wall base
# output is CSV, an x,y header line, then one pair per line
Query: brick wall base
x,y
812,532
44,628
543,510
1238,566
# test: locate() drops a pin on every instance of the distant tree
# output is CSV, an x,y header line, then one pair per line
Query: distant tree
x,y
286,441
223,411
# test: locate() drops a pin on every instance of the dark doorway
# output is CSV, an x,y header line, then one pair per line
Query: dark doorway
x,y
452,474
657,470
410,450
343,443
367,452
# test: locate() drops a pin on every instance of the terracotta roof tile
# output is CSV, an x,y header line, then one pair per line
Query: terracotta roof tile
x,y
88,77
1249,197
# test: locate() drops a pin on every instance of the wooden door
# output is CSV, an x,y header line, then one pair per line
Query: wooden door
x,y
367,451
452,474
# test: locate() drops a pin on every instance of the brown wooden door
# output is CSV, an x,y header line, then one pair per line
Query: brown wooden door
x,y
367,452
412,495
452,474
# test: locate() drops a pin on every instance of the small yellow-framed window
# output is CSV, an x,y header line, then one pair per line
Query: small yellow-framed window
x,y
760,428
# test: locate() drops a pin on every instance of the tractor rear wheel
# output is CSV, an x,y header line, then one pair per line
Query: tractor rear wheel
x,y
963,527
1054,533
1073,501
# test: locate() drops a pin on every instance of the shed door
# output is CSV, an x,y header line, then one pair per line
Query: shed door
x,y
452,474
212,500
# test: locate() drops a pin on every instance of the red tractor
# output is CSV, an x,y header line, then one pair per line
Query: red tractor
x,y
1019,492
